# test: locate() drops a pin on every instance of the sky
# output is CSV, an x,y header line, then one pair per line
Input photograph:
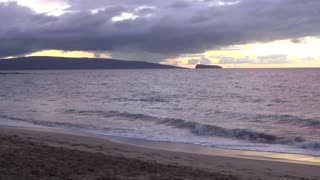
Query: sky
x,y
230,33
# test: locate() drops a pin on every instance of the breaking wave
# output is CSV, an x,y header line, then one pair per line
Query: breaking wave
x,y
194,127
207,130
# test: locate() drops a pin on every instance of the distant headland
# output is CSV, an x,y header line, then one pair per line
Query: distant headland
x,y
61,63
201,66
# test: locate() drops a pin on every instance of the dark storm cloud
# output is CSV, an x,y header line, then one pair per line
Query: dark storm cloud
x,y
181,4
16,22
158,29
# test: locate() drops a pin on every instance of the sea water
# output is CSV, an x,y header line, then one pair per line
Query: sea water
x,y
274,110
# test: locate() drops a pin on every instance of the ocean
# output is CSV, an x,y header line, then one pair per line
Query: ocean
x,y
271,110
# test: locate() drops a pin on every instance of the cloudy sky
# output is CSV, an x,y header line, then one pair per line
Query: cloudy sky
x,y
232,33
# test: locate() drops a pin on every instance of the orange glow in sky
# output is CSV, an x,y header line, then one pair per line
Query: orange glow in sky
x,y
295,54
303,54
76,54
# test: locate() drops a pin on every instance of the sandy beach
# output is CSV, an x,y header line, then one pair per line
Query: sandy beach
x,y
33,154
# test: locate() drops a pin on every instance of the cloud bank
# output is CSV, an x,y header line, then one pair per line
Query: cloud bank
x,y
153,30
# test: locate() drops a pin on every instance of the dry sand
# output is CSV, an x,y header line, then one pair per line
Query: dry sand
x,y
30,154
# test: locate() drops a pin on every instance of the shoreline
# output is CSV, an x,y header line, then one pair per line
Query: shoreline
x,y
216,151
185,163
185,148
182,147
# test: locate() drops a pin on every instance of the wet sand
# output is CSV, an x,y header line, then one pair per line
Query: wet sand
x,y
33,154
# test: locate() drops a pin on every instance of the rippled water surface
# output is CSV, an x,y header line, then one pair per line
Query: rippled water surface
x,y
253,109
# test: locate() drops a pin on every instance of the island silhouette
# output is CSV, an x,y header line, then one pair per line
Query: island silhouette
x,y
202,66
62,63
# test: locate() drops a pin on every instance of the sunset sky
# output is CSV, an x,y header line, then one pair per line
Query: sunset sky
x,y
231,33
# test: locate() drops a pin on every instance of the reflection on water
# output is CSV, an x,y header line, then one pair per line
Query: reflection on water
x,y
202,150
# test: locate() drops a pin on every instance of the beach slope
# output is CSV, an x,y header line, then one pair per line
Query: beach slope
x,y
30,154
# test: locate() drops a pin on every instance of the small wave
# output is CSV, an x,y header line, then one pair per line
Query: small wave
x,y
194,127
240,134
14,73
201,129
290,120
280,119
146,99
315,145
64,125
50,124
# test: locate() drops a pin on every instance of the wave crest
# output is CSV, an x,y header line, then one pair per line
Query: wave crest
x,y
194,127
201,129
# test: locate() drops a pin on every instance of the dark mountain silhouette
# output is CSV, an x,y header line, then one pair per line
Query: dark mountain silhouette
x,y
60,63
202,66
